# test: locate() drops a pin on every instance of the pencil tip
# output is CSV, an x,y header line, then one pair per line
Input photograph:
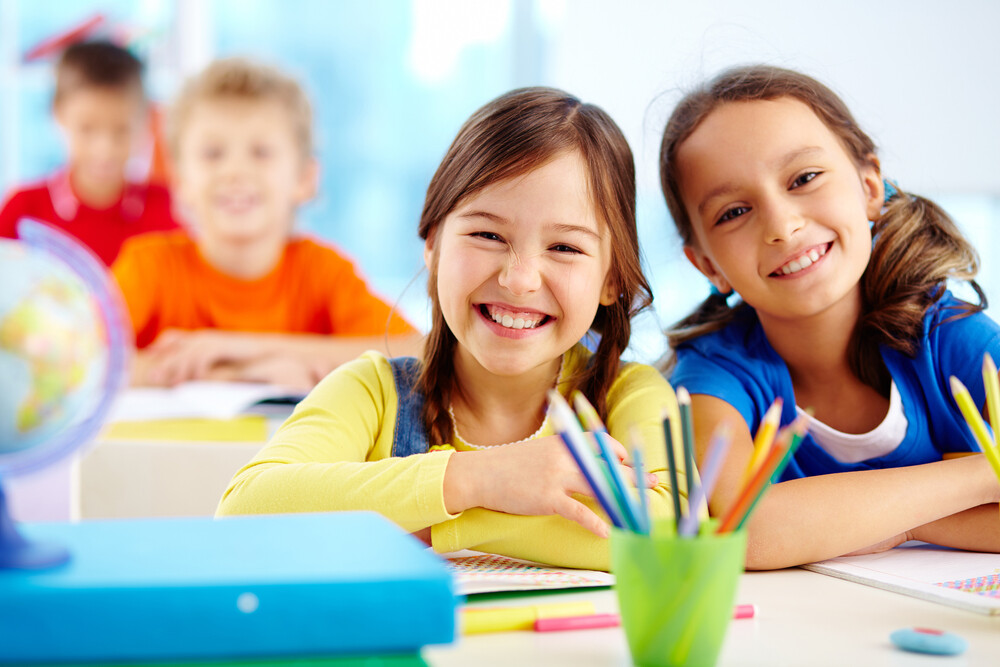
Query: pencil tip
x,y
683,397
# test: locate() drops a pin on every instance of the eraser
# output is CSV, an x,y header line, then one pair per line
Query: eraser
x,y
926,640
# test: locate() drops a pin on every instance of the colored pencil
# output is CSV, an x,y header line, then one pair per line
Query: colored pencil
x,y
718,447
764,438
992,383
975,422
572,435
640,473
591,421
687,439
798,430
778,456
675,493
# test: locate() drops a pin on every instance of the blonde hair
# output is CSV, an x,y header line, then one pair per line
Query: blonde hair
x,y
917,247
242,79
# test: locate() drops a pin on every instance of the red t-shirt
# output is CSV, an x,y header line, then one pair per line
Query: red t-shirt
x,y
142,208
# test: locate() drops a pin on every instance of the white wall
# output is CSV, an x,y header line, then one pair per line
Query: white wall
x,y
923,78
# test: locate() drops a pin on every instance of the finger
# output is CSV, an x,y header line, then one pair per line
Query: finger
x,y
577,512
650,481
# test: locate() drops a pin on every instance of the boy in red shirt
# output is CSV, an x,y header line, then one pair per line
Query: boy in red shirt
x,y
100,106
240,296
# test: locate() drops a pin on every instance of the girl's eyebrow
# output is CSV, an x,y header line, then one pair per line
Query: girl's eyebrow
x,y
559,227
780,163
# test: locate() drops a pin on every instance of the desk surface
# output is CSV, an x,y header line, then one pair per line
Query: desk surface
x,y
803,618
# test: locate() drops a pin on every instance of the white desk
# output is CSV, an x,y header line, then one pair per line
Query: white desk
x,y
803,618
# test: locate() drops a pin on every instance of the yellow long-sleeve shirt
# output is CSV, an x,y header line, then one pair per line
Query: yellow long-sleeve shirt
x,y
334,453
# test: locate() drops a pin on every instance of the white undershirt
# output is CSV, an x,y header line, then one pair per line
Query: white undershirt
x,y
855,447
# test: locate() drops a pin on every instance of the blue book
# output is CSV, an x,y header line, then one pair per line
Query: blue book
x,y
320,584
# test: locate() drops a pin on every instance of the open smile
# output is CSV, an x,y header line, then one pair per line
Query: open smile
x,y
802,261
511,323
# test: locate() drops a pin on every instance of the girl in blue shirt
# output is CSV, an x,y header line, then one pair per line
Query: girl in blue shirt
x,y
829,292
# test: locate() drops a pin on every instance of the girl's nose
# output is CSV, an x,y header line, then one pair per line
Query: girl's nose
x,y
782,222
520,275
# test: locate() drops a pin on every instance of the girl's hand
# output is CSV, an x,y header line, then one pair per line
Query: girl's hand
x,y
533,478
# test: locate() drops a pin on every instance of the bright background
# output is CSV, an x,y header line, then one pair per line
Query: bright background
x,y
392,81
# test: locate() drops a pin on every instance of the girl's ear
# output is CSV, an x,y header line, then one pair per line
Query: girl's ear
x,y
610,292
703,263
874,188
429,248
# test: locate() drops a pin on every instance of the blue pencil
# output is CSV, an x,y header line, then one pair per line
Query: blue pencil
x,y
592,422
640,475
573,437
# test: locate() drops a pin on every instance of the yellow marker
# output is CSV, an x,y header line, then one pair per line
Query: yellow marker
x,y
975,421
764,439
476,620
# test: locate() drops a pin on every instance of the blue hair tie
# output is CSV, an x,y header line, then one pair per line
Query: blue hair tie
x,y
891,189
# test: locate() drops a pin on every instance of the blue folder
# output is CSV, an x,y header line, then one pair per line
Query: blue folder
x,y
347,583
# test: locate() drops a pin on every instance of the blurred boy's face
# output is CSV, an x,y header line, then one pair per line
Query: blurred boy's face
x,y
240,174
100,126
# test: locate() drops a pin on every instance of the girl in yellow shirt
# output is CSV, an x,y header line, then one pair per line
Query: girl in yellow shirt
x,y
531,246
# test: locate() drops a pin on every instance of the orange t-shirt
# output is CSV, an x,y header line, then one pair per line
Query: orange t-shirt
x,y
167,284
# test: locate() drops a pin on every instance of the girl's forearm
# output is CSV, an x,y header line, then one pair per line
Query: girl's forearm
x,y
816,518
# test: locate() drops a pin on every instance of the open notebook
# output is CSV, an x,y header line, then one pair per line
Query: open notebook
x,y
963,579
476,572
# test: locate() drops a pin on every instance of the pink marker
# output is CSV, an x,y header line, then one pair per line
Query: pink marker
x,y
745,611
577,622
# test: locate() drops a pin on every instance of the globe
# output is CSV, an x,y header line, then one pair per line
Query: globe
x,y
63,356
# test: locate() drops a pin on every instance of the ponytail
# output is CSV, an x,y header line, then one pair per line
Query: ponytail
x,y
917,248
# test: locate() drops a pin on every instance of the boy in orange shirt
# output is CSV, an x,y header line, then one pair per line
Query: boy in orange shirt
x,y
100,106
240,297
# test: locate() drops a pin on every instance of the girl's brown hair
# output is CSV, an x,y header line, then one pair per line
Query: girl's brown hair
x,y
917,245
510,136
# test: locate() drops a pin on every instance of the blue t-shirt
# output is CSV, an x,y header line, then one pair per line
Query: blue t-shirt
x,y
738,365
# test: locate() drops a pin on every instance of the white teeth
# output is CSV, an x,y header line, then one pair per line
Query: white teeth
x,y
511,322
803,262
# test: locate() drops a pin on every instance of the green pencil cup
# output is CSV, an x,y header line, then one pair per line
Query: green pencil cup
x,y
676,594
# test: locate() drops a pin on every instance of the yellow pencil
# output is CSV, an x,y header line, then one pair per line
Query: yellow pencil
x,y
992,384
975,422
764,438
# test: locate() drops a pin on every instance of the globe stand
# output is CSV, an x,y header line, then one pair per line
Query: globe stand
x,y
19,553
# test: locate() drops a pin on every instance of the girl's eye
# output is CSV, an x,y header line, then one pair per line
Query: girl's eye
x,y
489,236
212,153
563,248
261,152
804,178
732,213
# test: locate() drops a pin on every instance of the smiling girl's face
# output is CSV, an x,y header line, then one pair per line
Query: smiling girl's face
x,y
778,208
522,267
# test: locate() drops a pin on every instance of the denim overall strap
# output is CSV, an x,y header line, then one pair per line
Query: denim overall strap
x,y
408,436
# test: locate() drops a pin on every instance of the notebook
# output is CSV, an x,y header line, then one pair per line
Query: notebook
x,y
476,572
965,579
322,584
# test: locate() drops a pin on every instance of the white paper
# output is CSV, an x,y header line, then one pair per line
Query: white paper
x,y
926,571
192,400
